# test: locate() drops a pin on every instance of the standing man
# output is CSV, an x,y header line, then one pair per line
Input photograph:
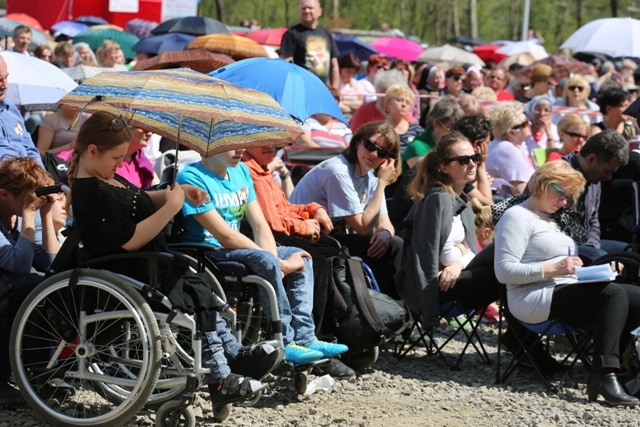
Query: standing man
x,y
21,40
497,80
311,46
15,141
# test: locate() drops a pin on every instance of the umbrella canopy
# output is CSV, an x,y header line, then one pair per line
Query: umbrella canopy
x,y
140,27
488,53
25,19
6,30
208,114
528,46
300,92
33,81
163,43
196,25
562,68
268,36
237,47
352,44
450,54
94,38
197,59
522,59
69,28
397,47
468,40
80,73
613,36
91,20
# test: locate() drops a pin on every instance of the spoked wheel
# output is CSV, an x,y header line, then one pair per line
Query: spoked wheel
x,y
72,343
170,415
252,401
626,264
222,412
249,311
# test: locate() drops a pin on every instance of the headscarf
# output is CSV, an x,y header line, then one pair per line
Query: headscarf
x,y
530,107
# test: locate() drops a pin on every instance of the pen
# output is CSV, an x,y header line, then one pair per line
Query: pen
x,y
568,250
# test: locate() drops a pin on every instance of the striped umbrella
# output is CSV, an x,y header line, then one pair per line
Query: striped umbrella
x,y
197,59
206,114
237,47
94,38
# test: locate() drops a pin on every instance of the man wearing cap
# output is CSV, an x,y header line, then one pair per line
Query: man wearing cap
x,y
15,141
542,83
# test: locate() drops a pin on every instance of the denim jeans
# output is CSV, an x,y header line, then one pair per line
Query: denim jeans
x,y
294,293
606,246
217,347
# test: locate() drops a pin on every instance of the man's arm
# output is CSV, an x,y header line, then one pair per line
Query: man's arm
x,y
335,74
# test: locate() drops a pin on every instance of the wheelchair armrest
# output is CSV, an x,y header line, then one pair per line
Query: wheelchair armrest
x,y
193,246
131,255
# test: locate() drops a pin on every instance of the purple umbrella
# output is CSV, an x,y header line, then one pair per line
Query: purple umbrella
x,y
69,28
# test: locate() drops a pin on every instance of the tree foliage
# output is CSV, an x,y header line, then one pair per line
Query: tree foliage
x,y
434,21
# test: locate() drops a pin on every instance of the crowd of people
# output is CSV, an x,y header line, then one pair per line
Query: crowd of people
x,y
428,149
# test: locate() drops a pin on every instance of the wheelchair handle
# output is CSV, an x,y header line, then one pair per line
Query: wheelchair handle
x,y
52,189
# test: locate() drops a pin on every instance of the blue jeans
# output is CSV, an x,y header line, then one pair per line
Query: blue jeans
x,y
294,293
217,346
606,246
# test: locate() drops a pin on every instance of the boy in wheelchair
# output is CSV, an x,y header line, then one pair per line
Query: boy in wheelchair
x,y
228,183
115,217
27,243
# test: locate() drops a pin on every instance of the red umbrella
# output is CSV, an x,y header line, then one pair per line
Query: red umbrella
x,y
397,47
562,68
25,19
487,52
269,36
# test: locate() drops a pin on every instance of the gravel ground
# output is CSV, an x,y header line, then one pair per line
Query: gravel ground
x,y
416,391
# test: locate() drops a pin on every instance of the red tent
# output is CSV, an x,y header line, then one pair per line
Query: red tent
x,y
148,9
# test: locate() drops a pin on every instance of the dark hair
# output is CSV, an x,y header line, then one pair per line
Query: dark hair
x,y
475,127
39,50
455,71
429,174
19,174
612,97
349,60
367,130
399,64
607,145
375,60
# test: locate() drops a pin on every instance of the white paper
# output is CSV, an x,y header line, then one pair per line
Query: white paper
x,y
595,273
128,6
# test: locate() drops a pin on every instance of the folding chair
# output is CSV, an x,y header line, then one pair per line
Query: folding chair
x,y
535,334
452,312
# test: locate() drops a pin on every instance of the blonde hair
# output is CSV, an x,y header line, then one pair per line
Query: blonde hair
x,y
557,172
569,120
469,104
541,73
504,117
576,80
486,94
398,89
107,46
482,214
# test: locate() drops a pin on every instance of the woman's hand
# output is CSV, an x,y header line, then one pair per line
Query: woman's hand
x,y
295,263
379,243
482,149
197,196
545,122
449,276
323,218
387,172
174,196
563,267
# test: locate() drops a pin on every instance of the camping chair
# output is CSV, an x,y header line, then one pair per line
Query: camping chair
x,y
465,322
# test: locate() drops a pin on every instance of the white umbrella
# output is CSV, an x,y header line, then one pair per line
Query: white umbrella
x,y
528,46
613,36
34,81
526,58
80,73
451,54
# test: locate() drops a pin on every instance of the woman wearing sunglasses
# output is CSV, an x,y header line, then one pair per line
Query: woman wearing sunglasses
x,y
441,262
576,94
573,132
351,188
538,263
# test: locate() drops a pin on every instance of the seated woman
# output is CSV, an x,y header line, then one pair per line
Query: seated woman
x,y
398,101
573,132
441,261
115,217
136,167
27,244
58,131
351,93
544,134
531,258
576,94
228,183
348,188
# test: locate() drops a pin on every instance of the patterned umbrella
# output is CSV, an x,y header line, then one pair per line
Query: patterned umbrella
x,y
95,38
206,114
197,59
6,30
562,68
140,27
237,47
196,25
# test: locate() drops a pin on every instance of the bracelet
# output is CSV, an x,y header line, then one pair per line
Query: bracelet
x,y
285,176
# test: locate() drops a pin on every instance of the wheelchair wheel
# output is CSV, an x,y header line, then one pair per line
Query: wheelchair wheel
x,y
72,344
626,264
168,415
251,321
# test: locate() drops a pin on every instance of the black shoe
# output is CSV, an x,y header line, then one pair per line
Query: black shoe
x,y
605,384
9,395
233,389
257,361
336,369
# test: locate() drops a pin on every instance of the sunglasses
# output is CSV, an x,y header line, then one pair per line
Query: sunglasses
x,y
464,160
456,77
564,197
575,135
522,125
371,146
578,88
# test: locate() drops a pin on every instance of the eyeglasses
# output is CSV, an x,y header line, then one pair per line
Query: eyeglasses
x,y
456,77
564,197
522,125
578,88
575,134
464,160
371,146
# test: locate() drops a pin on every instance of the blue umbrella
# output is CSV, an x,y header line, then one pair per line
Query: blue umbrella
x,y
69,28
300,92
350,44
91,20
163,43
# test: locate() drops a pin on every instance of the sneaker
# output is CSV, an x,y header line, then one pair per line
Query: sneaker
x,y
233,389
328,349
336,369
257,361
299,355
9,395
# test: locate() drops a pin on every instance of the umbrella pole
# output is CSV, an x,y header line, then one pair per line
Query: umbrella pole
x,y
175,164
